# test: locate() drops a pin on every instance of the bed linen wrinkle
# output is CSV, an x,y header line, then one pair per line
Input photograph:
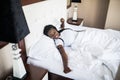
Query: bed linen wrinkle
x,y
86,56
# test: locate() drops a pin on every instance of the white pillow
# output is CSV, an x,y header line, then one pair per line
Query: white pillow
x,y
68,36
43,48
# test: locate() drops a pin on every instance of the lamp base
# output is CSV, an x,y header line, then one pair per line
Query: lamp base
x,y
23,78
18,66
75,14
74,20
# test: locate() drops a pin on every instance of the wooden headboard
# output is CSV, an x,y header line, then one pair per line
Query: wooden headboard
x,y
26,2
2,44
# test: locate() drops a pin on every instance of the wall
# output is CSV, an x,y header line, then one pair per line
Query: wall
x,y
5,61
43,13
113,16
93,12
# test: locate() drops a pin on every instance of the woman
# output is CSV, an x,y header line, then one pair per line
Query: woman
x,y
53,33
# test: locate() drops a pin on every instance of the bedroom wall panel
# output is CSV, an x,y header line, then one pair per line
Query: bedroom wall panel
x,y
92,11
5,61
40,14
113,16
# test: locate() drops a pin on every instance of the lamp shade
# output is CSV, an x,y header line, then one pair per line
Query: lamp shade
x,y
13,25
77,1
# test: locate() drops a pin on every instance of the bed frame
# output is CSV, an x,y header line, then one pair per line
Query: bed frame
x,y
118,74
34,72
27,2
37,73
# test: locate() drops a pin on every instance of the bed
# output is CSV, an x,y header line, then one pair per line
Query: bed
x,y
95,53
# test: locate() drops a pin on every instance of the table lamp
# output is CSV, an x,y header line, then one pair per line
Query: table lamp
x,y
75,9
13,28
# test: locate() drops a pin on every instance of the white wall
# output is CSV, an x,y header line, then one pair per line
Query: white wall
x,y
43,13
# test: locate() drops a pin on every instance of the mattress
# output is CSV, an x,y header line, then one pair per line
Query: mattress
x,y
95,53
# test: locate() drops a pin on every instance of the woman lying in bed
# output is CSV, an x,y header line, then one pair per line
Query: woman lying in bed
x,y
52,32
90,37
60,39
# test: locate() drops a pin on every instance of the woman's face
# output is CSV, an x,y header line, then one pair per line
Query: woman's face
x,y
53,33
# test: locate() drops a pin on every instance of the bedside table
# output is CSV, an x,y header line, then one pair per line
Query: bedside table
x,y
79,21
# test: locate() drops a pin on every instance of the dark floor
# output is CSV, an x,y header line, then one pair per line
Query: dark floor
x,y
118,74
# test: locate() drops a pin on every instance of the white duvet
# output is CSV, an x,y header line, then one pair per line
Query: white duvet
x,y
94,55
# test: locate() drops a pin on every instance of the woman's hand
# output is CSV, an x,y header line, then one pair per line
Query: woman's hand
x,y
67,69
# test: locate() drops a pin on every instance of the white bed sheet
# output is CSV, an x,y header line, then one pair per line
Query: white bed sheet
x,y
95,55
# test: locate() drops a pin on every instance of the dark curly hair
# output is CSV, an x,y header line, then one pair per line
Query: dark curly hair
x,y
47,28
